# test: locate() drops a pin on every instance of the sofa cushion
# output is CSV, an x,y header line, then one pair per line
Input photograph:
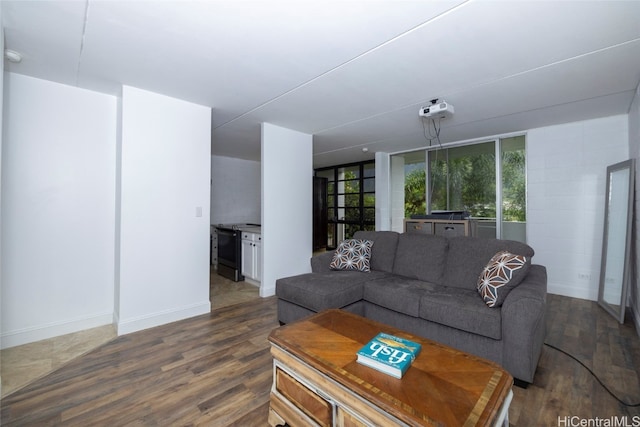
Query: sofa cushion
x,y
320,291
461,309
468,256
503,273
422,257
352,254
383,251
397,293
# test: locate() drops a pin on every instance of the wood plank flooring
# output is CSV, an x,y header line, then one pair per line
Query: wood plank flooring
x,y
25,363
563,388
215,370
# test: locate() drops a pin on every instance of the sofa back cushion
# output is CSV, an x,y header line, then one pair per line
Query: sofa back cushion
x,y
383,251
468,256
421,256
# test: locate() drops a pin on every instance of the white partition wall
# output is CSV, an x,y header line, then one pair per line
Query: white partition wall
x,y
396,188
287,217
383,192
58,191
162,263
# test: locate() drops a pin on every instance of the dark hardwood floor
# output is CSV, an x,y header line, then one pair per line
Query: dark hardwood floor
x,y
215,370
563,388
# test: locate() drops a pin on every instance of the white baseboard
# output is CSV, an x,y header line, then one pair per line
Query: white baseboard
x,y
267,291
572,291
54,329
127,326
252,282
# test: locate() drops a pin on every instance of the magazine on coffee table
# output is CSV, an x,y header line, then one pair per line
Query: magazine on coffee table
x,y
389,354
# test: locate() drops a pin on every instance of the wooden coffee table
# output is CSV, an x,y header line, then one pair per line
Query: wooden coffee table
x,y
317,380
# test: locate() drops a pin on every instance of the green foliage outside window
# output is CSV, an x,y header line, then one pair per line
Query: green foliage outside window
x,y
467,181
415,201
513,186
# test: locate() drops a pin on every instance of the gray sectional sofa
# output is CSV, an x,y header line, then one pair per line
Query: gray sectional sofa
x,y
427,285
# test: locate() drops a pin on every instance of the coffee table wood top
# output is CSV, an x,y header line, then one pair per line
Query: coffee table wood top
x,y
443,386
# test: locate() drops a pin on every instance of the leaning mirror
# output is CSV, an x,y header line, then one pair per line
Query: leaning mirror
x,y
616,243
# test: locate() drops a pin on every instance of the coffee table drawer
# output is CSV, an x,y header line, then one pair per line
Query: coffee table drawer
x,y
345,418
317,408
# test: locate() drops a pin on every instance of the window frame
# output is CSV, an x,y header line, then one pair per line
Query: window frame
x,y
497,141
333,200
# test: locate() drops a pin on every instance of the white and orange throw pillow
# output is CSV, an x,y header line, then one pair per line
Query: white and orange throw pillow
x,y
503,273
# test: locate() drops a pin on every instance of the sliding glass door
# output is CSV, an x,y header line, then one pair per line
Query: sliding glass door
x,y
465,178
513,214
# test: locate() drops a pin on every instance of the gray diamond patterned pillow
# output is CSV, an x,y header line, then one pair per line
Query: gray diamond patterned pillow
x,y
352,254
503,273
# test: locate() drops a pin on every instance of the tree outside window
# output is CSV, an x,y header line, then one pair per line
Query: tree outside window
x,y
464,179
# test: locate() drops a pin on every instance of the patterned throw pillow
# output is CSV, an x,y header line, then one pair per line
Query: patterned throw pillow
x,y
352,254
503,273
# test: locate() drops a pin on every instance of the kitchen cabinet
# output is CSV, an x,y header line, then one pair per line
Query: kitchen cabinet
x,y
252,257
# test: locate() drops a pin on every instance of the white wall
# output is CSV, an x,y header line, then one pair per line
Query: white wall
x,y
566,178
235,190
164,210
397,193
634,152
1,132
287,199
383,191
58,190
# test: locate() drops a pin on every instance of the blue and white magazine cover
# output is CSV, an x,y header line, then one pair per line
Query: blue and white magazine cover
x,y
389,354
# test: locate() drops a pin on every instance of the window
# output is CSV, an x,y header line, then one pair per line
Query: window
x,y
409,170
464,178
351,200
514,189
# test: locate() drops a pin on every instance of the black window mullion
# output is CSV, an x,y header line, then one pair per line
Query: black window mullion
x,y
359,221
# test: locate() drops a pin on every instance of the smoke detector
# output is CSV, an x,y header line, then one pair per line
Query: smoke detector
x,y
12,56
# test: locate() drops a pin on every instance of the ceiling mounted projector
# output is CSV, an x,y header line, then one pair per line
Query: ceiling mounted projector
x,y
437,110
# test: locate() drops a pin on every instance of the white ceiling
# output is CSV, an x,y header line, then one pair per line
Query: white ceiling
x,y
352,73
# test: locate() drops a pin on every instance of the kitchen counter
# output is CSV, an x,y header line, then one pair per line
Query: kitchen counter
x,y
252,229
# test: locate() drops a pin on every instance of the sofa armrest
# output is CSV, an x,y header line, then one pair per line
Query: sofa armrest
x,y
533,286
523,324
320,263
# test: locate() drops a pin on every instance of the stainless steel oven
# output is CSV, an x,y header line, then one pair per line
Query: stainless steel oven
x,y
230,253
